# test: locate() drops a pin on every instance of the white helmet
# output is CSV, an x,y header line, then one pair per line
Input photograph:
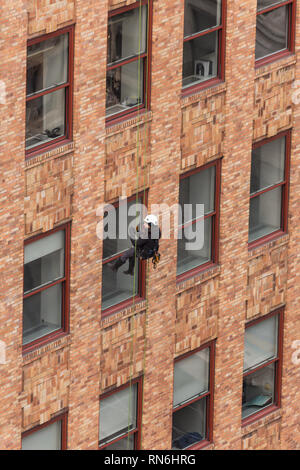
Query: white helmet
x,y
151,219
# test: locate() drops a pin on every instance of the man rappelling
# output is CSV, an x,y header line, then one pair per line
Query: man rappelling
x,y
145,245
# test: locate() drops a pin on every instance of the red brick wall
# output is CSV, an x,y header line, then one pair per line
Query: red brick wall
x,y
234,209
86,248
68,183
45,16
165,164
12,132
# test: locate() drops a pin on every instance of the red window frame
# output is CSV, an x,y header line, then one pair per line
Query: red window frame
x,y
221,54
65,281
208,396
141,270
215,215
145,57
63,417
278,368
136,432
291,32
285,190
68,86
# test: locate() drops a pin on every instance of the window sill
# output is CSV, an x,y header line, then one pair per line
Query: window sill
x,y
268,246
272,237
199,87
134,309
47,147
200,445
130,118
126,304
269,410
278,60
199,274
40,343
44,154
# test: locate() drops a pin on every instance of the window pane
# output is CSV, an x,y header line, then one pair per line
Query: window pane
x,y
265,214
118,414
189,425
260,343
127,443
45,118
47,64
115,244
267,167
200,59
127,34
200,15
188,259
124,87
262,4
271,32
44,261
198,189
258,390
191,377
47,438
117,286
42,313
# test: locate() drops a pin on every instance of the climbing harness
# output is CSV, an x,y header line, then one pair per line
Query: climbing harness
x,y
155,259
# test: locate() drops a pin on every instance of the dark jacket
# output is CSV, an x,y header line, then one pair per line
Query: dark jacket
x,y
147,242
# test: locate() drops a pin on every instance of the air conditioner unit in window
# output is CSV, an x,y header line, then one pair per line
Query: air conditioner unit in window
x,y
203,68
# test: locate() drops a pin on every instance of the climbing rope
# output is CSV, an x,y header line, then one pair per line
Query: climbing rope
x,y
136,201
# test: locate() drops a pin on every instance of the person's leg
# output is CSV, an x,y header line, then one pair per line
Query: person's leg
x,y
115,265
129,254
130,265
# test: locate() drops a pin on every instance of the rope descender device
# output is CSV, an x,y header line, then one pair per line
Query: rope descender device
x,y
155,259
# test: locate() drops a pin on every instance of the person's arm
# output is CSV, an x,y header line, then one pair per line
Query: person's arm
x,y
138,239
133,235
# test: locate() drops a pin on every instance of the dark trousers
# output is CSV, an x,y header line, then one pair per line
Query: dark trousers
x,y
128,255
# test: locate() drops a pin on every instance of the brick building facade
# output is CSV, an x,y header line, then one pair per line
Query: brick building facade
x,y
66,377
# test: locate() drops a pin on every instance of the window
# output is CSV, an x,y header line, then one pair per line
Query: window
x,y
46,286
127,84
262,365
120,418
192,399
49,90
269,189
49,436
199,187
274,29
118,288
203,42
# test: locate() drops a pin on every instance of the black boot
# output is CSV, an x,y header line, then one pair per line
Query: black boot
x,y
130,267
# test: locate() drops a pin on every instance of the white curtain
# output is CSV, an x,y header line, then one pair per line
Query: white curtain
x,y
44,246
191,377
260,343
118,412
47,438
